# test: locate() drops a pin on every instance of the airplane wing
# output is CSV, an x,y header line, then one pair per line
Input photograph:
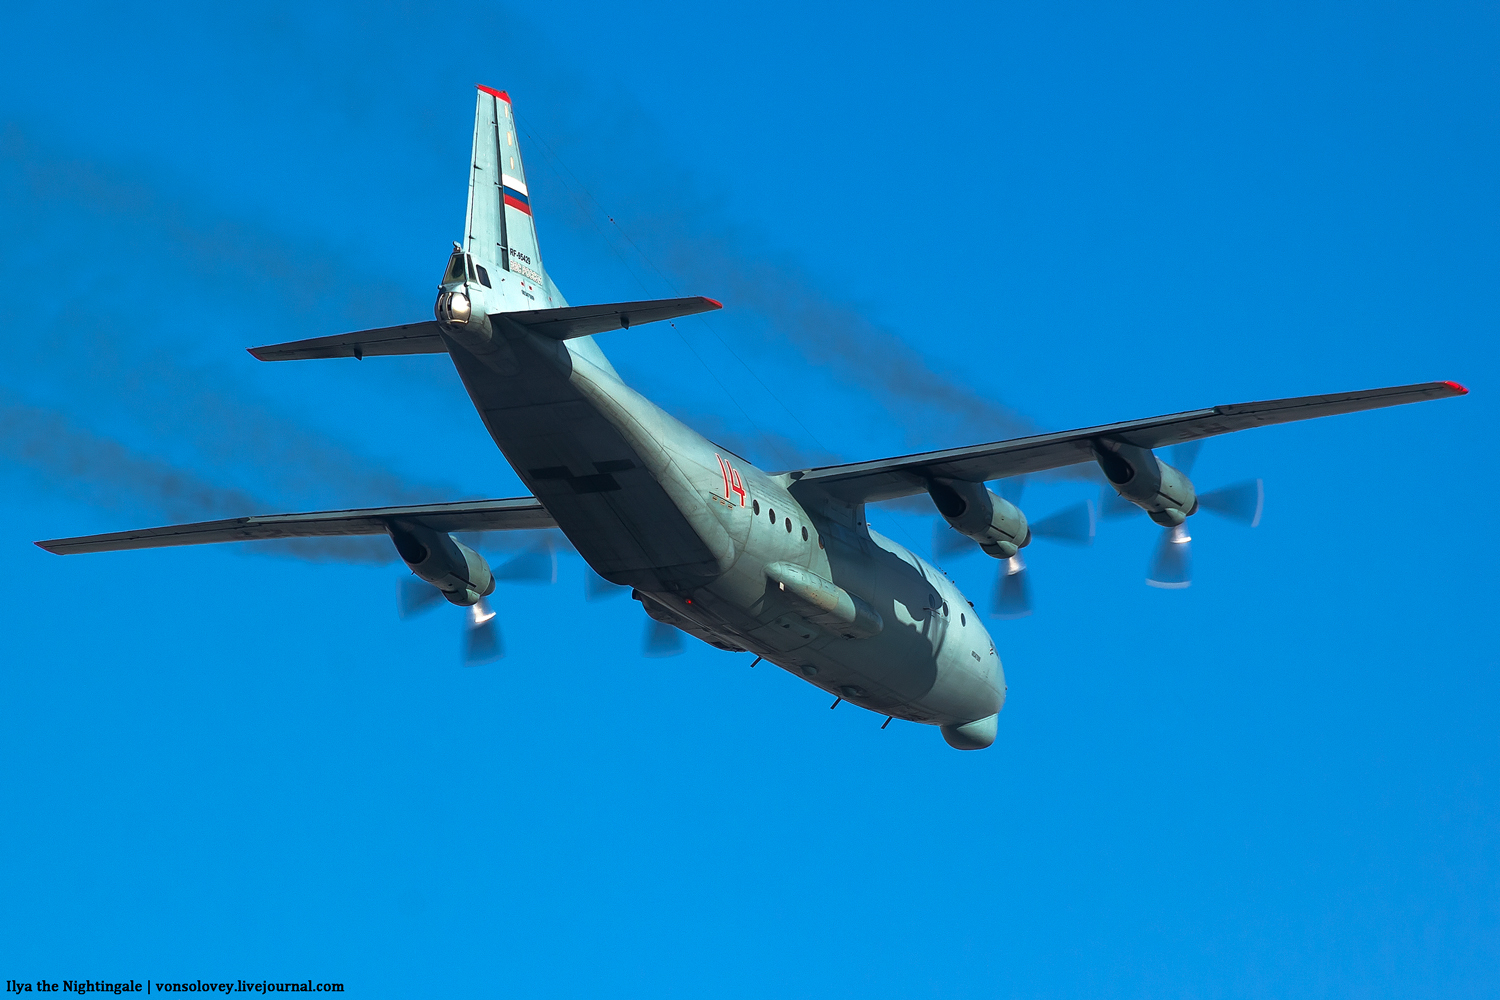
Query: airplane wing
x,y
424,338
887,479
473,515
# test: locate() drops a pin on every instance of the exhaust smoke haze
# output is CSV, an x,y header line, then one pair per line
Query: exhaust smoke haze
x,y
115,366
117,363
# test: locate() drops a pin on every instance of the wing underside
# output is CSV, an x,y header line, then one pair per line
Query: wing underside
x,y
475,515
887,479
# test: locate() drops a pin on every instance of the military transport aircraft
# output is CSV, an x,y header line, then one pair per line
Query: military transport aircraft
x,y
783,565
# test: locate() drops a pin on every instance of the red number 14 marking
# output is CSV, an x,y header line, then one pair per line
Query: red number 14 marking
x,y
733,485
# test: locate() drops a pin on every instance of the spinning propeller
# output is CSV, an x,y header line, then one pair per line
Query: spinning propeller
x,y
482,642
1073,525
1172,563
596,588
660,639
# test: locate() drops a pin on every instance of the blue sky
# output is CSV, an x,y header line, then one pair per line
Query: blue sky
x,y
929,227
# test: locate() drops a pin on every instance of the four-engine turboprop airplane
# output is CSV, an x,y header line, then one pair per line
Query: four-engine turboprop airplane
x,y
783,565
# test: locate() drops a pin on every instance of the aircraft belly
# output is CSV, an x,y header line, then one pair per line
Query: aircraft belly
x,y
594,483
919,666
786,633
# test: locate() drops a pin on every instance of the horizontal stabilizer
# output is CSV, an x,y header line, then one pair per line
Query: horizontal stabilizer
x,y
423,338
413,338
582,321
473,515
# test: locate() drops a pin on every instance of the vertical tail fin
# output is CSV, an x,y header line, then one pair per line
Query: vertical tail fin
x,y
499,228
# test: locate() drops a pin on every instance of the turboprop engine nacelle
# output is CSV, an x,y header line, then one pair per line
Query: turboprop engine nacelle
x,y
448,564
1146,481
996,524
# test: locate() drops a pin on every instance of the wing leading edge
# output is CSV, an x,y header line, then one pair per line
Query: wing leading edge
x,y
475,515
857,482
887,479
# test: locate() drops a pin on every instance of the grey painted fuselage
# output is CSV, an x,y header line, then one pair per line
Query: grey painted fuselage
x,y
697,532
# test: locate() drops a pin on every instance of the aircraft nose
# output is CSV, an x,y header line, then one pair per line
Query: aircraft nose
x,y
974,735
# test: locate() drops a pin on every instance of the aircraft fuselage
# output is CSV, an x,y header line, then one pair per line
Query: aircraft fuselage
x,y
703,536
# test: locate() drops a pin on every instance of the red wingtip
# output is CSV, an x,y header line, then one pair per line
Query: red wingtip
x,y
716,302
493,92
1457,388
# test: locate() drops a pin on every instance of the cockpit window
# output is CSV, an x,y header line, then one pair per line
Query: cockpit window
x,y
484,276
455,269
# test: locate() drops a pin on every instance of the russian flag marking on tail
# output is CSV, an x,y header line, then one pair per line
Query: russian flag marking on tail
x,y
501,228
517,201
516,195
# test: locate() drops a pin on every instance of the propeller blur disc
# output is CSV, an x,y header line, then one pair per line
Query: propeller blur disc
x,y
1185,455
1242,502
1073,525
535,565
596,588
1112,506
415,596
662,639
482,642
1172,565
1012,597
949,544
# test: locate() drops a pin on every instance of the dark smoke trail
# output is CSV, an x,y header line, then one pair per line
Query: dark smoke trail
x,y
828,332
76,462
311,279
105,473
232,429
704,253
102,358
765,448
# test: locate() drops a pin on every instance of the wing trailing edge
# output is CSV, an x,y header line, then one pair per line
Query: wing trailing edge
x,y
515,514
887,479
